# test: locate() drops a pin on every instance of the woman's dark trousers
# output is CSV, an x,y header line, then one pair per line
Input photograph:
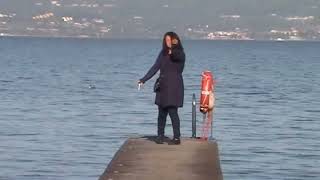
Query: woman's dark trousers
x,y
162,117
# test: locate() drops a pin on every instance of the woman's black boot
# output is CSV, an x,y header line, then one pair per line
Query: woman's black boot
x,y
159,139
176,141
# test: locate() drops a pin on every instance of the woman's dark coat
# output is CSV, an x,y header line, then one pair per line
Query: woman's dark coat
x,y
171,81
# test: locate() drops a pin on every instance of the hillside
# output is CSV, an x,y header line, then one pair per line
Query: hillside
x,y
254,19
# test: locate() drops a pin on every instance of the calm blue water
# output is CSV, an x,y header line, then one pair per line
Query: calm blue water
x,y
67,105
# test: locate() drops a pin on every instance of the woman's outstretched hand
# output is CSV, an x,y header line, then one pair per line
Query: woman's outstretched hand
x,y
140,83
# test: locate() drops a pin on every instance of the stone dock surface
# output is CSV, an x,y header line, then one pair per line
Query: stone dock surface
x,y
142,159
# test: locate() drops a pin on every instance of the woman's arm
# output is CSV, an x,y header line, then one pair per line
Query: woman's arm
x,y
152,71
177,55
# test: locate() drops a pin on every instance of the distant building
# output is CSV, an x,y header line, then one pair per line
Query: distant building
x,y
67,19
230,16
298,18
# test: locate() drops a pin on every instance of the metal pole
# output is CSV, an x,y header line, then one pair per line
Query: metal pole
x,y
203,136
194,125
211,116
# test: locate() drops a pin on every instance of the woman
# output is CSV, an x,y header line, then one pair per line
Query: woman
x,y
170,92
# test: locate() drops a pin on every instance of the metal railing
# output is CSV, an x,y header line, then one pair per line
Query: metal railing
x,y
194,119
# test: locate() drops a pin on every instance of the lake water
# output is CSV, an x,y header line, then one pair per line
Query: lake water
x,y
67,105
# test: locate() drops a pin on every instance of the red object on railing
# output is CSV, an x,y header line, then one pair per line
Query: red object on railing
x,y
207,102
206,88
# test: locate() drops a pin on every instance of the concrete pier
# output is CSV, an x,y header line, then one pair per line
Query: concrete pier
x,y
143,159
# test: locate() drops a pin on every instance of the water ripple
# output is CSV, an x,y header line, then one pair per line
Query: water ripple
x,y
64,118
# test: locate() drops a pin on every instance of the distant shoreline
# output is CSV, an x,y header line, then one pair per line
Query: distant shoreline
x,y
139,38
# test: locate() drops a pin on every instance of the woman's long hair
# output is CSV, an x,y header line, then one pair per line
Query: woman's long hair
x,y
173,35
